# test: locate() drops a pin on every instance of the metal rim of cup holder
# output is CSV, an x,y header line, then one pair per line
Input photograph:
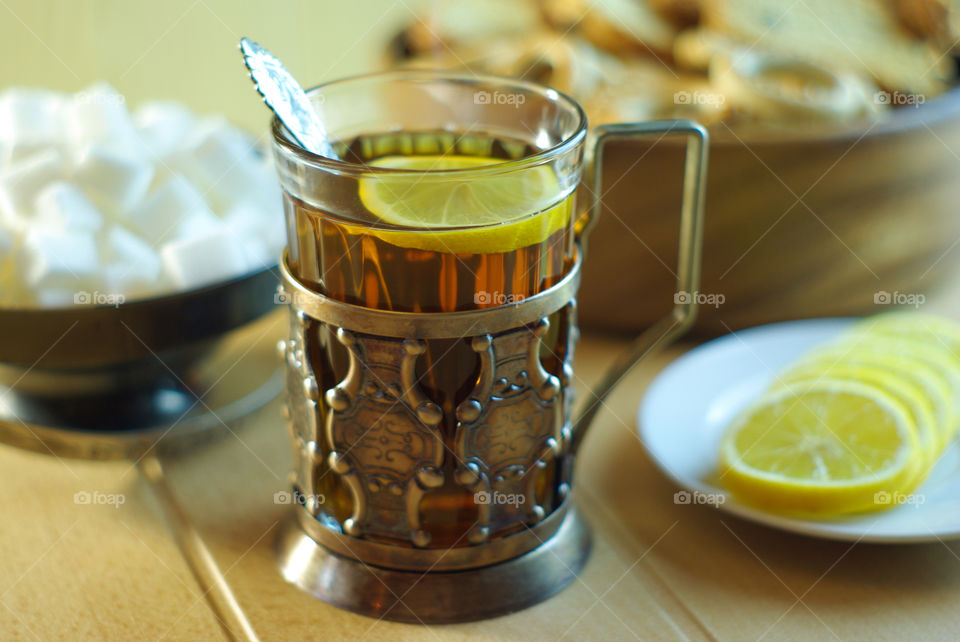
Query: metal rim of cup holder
x,y
434,559
433,325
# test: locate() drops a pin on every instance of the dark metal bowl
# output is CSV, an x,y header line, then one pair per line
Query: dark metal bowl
x,y
127,367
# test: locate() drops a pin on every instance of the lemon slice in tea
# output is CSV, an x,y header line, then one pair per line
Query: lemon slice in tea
x,y
821,448
489,213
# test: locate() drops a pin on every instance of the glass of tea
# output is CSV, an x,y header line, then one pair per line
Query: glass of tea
x,y
431,273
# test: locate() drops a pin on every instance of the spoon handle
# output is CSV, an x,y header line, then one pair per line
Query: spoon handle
x,y
284,95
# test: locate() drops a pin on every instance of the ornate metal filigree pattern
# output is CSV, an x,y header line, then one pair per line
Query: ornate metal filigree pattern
x,y
302,395
384,437
508,430
570,333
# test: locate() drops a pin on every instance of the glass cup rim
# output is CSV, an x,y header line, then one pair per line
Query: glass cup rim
x,y
284,140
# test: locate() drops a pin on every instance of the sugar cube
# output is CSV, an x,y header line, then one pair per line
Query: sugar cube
x,y
158,217
131,265
249,218
57,297
197,223
20,181
122,245
9,238
30,116
99,114
256,254
223,161
53,258
163,126
200,260
64,205
118,176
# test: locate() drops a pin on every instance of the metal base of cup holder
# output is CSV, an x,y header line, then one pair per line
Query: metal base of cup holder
x,y
398,515
435,597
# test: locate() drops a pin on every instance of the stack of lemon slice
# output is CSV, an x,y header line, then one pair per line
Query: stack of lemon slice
x,y
854,425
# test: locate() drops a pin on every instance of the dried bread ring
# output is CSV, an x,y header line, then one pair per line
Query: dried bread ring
x,y
861,36
645,90
627,27
568,64
925,18
694,49
680,12
561,15
454,23
778,88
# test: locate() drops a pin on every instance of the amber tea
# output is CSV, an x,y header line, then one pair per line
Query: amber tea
x,y
397,243
440,243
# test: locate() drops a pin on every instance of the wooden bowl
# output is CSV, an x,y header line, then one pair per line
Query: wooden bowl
x,y
828,223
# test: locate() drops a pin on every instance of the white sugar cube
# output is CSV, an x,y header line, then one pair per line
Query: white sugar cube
x,y
163,125
20,181
57,297
132,267
99,114
159,216
257,254
123,246
197,223
31,116
8,241
52,258
200,260
222,160
118,176
252,219
256,235
267,191
63,205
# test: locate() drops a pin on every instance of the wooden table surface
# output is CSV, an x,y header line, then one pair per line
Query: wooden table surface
x,y
658,570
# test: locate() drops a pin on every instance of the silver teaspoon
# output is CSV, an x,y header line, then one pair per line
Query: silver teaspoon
x,y
286,98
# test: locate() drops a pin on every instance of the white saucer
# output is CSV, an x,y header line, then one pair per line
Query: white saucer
x,y
689,405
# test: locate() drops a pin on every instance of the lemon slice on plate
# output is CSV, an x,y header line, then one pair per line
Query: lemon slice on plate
x,y
933,372
910,394
487,213
937,331
944,362
824,447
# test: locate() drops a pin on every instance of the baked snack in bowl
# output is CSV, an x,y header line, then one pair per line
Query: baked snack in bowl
x,y
831,172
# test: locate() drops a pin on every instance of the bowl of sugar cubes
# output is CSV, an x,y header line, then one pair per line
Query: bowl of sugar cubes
x,y
132,242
